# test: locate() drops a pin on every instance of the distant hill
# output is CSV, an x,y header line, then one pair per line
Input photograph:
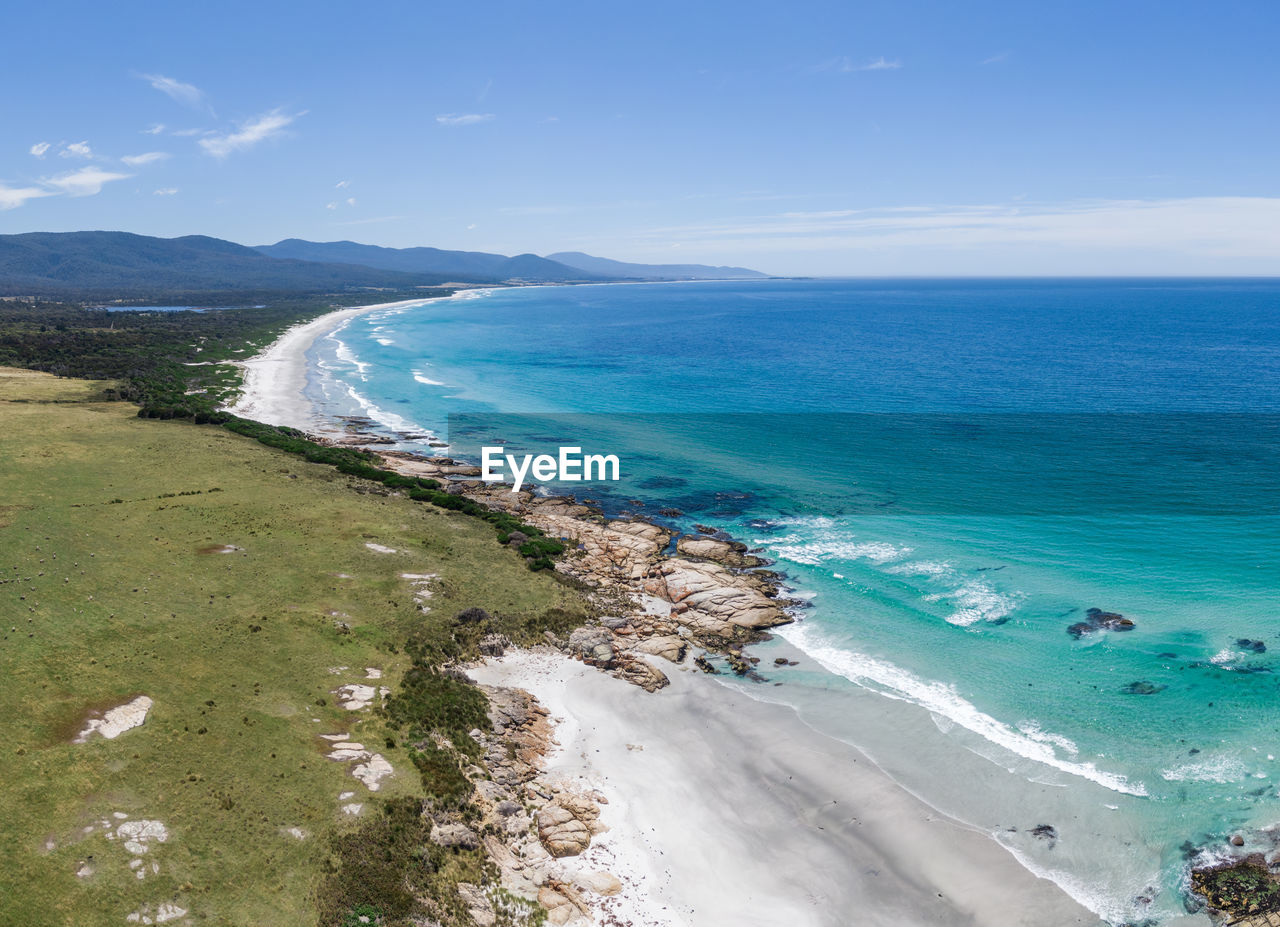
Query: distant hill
x,y
474,266
623,270
123,264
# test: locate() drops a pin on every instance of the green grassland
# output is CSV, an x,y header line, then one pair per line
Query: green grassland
x,y
108,591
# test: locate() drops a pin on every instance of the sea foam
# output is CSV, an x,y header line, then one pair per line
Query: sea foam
x,y
894,682
380,415
824,541
975,601
1220,768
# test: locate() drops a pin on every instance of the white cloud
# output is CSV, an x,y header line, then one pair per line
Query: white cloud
x,y
39,149
150,157
85,182
1187,235
463,119
330,205
256,130
342,185
76,150
351,201
13,197
188,133
165,191
996,58
186,94
371,221
154,130
846,65
880,64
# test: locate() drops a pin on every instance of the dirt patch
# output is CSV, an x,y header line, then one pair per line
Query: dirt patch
x,y
8,511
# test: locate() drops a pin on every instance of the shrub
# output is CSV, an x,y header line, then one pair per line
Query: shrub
x,y
442,778
377,867
431,702
472,616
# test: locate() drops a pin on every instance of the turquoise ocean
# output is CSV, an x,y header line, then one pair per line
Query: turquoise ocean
x,y
950,474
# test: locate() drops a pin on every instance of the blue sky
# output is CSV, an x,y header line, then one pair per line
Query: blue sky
x,y
805,138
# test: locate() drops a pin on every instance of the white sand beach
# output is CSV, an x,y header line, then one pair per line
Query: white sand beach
x,y
727,811
274,380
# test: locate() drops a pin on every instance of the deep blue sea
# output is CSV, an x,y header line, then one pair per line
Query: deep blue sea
x,y
951,473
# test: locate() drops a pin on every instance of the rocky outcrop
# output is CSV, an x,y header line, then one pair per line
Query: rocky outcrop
x,y
668,646
454,836
655,606
564,903
708,594
713,601
730,553
1239,889
522,736
641,673
528,823
493,645
567,824
592,645
478,904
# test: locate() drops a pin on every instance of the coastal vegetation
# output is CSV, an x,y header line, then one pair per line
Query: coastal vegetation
x,y
243,590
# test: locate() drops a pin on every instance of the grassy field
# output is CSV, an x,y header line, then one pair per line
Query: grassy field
x,y
111,587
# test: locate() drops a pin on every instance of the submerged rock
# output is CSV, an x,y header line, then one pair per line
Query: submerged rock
x,y
1142,687
1252,646
1098,620
702,663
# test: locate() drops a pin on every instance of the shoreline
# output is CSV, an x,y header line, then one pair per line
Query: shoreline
x,y
275,378
887,853
725,810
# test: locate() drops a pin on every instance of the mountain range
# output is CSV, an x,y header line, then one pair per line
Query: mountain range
x,y
565,266
461,266
623,270
123,265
